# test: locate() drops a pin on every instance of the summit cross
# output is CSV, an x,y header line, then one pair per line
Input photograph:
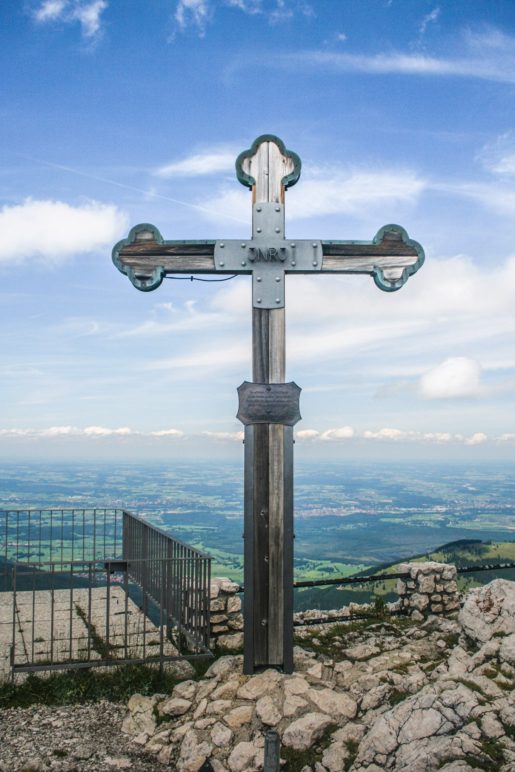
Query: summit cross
x,y
268,407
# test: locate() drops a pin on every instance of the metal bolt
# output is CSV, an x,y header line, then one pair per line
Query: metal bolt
x,y
244,262
315,262
278,278
315,245
243,246
293,262
222,245
258,230
258,278
258,209
293,246
221,264
277,300
277,208
259,300
277,230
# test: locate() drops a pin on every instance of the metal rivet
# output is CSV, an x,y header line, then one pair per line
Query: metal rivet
x,y
293,262
244,262
277,300
315,262
315,245
258,278
292,246
222,246
259,300
278,278
258,230
277,230
258,209
243,246
222,264
277,208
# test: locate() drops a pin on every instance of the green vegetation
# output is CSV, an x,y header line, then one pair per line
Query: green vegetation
x,y
115,684
296,760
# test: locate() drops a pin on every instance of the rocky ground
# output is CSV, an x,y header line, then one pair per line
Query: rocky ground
x,y
400,695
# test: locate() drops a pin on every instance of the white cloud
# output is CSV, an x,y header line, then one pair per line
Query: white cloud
x,y
168,433
193,12
343,433
52,231
498,156
307,434
86,12
225,436
104,431
488,56
329,192
476,439
199,164
428,19
455,378
387,434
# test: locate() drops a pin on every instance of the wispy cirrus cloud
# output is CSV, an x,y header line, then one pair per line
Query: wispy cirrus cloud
x,y
87,13
487,54
198,164
197,14
55,231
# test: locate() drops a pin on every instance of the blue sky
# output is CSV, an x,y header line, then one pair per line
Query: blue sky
x,y
117,113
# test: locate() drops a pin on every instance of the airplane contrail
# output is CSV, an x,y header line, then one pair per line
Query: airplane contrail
x,y
132,187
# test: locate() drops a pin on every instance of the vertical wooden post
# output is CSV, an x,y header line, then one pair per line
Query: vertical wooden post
x,y
268,524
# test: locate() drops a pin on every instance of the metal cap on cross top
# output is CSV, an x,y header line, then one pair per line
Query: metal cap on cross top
x,y
268,407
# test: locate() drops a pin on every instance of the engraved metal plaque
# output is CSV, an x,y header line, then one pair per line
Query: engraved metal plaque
x,y
269,403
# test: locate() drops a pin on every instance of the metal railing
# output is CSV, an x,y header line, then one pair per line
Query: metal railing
x,y
86,587
187,586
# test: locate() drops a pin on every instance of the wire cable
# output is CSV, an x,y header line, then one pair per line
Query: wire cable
x,y
196,278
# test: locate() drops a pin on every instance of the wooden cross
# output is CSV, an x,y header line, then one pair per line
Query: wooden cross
x,y
268,406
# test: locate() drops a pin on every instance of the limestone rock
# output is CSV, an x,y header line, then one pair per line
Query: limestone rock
x,y
336,704
232,642
268,711
243,758
302,733
221,735
224,665
174,707
489,610
507,648
258,685
237,717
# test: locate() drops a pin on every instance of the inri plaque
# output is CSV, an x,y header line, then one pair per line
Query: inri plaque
x,y
269,403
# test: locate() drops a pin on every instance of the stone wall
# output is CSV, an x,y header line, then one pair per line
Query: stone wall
x,y
429,588
226,616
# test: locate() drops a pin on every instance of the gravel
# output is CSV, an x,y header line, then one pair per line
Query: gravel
x,y
74,738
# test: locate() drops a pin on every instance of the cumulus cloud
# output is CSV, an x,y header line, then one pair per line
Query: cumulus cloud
x,y
224,436
53,231
307,434
343,433
455,378
87,13
476,439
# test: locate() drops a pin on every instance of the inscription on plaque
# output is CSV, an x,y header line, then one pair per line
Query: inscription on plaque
x,y
267,254
269,403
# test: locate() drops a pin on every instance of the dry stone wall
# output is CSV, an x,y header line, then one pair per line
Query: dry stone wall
x,y
226,617
428,588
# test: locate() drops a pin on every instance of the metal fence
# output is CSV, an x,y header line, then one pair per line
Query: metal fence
x,y
117,590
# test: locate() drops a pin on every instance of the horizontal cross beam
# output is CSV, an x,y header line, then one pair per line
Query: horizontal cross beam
x,y
391,257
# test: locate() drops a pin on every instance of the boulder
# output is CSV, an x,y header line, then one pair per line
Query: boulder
x,y
489,611
302,733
